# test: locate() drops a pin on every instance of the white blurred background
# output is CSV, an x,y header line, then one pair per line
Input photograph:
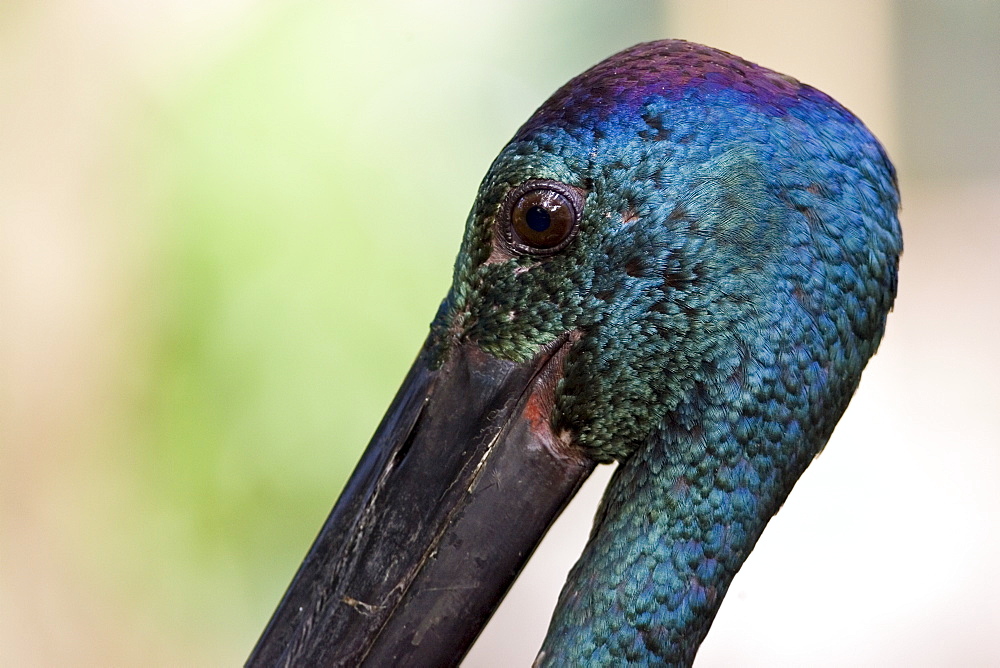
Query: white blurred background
x,y
225,225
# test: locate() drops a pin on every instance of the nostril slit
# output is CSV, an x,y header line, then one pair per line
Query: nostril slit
x,y
404,449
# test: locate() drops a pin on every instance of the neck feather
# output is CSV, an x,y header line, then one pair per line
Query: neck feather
x,y
672,531
683,512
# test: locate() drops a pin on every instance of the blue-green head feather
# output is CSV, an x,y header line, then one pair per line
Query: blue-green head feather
x,y
727,208
732,271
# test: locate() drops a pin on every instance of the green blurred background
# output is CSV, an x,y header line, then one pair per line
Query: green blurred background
x,y
226,225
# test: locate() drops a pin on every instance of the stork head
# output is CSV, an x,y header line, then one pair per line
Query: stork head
x,y
677,239
697,210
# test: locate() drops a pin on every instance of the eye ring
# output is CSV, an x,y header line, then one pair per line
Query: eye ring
x,y
541,217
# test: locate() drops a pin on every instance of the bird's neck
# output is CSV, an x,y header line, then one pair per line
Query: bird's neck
x,y
677,521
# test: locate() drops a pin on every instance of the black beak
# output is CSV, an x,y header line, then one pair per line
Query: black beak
x,y
459,484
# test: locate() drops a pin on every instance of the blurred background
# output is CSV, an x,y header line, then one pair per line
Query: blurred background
x,y
225,225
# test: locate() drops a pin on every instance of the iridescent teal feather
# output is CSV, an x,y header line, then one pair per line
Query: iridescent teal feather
x,y
734,267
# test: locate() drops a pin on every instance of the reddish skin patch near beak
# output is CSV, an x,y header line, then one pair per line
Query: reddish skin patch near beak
x,y
537,411
538,408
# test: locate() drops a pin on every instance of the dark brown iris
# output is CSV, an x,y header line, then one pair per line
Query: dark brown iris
x,y
541,216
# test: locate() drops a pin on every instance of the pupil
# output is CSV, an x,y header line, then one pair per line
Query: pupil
x,y
538,219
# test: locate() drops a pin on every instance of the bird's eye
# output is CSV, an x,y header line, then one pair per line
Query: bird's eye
x,y
541,216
